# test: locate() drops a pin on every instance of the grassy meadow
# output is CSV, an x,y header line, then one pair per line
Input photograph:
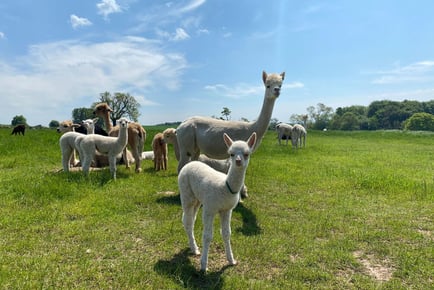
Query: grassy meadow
x,y
352,210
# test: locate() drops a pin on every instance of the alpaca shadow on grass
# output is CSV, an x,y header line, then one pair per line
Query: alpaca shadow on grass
x,y
250,224
182,271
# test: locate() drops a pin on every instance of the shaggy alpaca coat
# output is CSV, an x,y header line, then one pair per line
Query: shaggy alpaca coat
x,y
217,192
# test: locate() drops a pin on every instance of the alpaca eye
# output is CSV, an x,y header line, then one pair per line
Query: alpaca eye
x,y
246,155
232,154
268,87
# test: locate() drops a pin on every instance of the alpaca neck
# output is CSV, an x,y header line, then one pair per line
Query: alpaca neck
x,y
260,126
176,148
123,135
235,179
107,122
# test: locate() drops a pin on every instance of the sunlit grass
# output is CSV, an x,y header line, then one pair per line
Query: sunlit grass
x,y
326,216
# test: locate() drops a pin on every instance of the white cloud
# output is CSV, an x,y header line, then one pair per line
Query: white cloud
x,y
422,71
192,5
2,35
79,21
54,78
180,35
107,7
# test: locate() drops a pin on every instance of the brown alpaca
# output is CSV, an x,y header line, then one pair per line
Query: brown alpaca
x,y
159,146
136,134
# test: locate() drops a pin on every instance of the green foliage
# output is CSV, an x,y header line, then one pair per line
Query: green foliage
x,y
420,122
329,216
123,105
19,120
226,113
53,124
80,114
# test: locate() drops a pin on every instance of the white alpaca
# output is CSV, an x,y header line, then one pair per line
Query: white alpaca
x,y
111,146
67,147
68,143
283,130
136,134
298,136
203,135
217,192
221,165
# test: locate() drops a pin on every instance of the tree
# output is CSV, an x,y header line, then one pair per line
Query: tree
x,y
80,114
18,120
226,113
420,122
320,116
123,105
53,124
299,119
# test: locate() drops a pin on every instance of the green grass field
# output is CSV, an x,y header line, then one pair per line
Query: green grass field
x,y
352,210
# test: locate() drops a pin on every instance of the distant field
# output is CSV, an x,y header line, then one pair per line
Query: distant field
x,y
352,210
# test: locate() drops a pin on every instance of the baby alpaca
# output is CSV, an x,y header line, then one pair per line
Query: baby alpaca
x,y
112,146
159,147
217,192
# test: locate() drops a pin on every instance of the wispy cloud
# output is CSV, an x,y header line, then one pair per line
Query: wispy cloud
x,y
2,35
53,77
77,22
107,7
242,90
422,71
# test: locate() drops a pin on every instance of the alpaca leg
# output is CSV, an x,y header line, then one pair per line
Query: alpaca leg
x,y
66,157
188,220
137,159
225,219
87,160
208,220
125,157
112,162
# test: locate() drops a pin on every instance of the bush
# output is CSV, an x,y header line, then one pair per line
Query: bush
x,y
420,122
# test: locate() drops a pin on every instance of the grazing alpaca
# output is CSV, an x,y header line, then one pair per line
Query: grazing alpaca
x,y
159,147
217,192
136,134
19,129
298,136
112,146
283,131
203,135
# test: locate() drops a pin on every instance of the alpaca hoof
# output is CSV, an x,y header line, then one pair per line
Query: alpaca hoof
x,y
233,263
138,170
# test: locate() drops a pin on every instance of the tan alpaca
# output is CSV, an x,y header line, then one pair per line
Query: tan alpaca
x,y
203,135
159,146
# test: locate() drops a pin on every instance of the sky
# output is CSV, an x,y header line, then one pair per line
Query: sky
x,y
195,57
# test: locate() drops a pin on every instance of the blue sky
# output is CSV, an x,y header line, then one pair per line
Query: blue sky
x,y
194,57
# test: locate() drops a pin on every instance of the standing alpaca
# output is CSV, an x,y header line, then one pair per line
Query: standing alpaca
x,y
19,129
221,165
283,131
159,146
136,134
298,136
217,192
112,146
203,135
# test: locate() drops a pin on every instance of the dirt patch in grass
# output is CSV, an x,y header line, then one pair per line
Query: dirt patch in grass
x,y
380,270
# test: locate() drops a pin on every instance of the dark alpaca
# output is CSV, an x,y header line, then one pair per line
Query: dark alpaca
x,y
19,129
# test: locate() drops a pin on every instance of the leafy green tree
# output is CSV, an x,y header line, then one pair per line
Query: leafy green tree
x,y
18,120
53,124
320,116
420,122
123,105
80,114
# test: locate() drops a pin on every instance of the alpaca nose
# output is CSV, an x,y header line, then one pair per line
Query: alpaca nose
x,y
277,90
238,161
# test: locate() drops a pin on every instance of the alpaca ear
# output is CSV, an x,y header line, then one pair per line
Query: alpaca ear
x,y
75,125
264,76
282,75
95,120
252,140
227,139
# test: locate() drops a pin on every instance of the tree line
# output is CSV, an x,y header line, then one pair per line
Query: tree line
x,y
379,115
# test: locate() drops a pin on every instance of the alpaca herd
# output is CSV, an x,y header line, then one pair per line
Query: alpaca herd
x,y
212,158
296,133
